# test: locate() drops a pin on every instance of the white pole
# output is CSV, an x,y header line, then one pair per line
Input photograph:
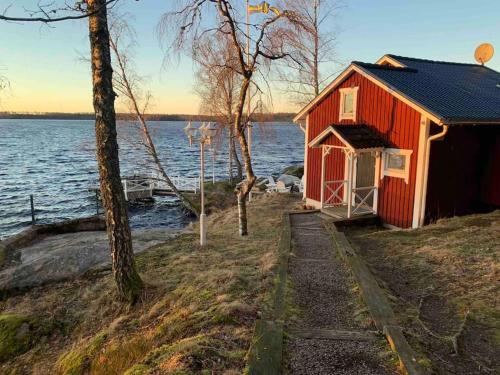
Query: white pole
x,y
249,104
203,229
124,183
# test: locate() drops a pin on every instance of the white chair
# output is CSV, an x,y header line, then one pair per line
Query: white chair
x,y
300,185
282,188
271,184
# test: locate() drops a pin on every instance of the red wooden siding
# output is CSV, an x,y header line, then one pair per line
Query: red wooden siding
x,y
464,172
394,120
490,192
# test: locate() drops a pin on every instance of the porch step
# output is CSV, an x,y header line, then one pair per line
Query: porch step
x,y
361,220
341,221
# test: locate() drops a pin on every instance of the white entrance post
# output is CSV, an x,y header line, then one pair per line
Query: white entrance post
x,y
323,169
349,183
376,183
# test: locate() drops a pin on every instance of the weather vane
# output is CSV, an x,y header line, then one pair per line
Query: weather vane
x,y
263,7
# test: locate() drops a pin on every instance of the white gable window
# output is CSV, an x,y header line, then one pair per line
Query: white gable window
x,y
396,163
348,99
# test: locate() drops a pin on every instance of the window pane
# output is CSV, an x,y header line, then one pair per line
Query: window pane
x,y
396,162
348,102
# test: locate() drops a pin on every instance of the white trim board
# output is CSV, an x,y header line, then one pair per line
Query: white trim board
x,y
306,153
425,125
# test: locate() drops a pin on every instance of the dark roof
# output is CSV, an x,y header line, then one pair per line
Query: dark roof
x,y
360,136
453,92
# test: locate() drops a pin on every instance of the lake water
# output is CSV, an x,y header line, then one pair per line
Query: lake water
x,y
55,161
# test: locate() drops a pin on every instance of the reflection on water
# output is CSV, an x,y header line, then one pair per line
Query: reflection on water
x,y
54,160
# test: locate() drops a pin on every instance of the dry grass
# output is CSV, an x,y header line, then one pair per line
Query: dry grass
x,y
196,314
440,277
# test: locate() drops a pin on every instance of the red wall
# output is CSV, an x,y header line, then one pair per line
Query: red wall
x,y
464,172
395,121
490,190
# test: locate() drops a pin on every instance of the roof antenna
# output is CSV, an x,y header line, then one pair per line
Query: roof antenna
x,y
484,52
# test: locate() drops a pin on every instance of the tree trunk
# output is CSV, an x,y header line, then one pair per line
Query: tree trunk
x,y
316,51
239,167
120,240
230,156
242,215
245,186
234,153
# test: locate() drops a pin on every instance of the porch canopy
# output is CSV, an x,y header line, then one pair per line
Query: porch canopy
x,y
354,137
356,191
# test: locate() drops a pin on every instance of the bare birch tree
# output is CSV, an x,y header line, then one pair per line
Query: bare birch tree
x,y
128,84
127,279
217,86
314,59
267,43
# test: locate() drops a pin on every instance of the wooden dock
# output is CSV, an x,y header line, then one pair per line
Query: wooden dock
x,y
143,187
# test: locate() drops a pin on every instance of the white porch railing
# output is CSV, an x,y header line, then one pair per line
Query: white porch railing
x,y
334,193
360,203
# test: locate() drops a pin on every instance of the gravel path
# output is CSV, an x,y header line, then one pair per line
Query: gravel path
x,y
321,290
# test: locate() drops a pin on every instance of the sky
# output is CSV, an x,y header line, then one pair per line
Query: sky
x,y
47,71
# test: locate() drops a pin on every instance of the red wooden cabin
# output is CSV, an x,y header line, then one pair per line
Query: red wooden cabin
x,y
409,140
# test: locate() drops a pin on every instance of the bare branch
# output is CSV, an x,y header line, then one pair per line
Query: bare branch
x,y
49,16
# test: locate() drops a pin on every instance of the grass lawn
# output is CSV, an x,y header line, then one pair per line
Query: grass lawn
x,y
444,282
196,314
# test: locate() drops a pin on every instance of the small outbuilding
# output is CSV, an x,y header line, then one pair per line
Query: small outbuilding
x,y
407,139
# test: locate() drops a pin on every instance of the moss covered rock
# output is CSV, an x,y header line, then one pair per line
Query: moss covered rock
x,y
294,170
18,333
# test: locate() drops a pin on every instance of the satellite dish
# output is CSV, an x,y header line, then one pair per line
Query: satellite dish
x,y
484,53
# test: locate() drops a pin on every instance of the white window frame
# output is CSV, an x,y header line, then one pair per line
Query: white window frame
x,y
398,173
343,92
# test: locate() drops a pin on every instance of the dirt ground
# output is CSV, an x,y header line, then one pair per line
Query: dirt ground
x,y
444,282
196,314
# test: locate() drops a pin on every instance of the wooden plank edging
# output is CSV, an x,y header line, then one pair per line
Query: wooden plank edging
x,y
265,355
378,305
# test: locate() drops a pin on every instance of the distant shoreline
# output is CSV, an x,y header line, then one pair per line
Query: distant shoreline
x,y
274,117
